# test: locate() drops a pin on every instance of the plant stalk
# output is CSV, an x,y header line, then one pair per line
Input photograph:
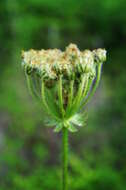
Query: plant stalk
x,y
65,158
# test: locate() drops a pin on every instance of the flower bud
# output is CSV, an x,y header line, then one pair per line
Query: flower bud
x,y
99,55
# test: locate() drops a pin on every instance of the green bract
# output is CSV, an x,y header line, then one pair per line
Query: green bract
x,y
64,82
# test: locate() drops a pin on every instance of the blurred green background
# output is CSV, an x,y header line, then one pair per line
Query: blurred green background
x,y
30,152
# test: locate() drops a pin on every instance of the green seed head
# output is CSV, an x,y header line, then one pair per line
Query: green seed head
x,y
64,81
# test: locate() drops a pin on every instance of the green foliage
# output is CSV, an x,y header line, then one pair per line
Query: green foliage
x,y
85,177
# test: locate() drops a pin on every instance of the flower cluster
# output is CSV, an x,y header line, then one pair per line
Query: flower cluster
x,y
49,64
63,80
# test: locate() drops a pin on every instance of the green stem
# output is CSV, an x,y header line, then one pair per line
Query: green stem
x,y
99,67
77,99
70,96
65,158
60,94
85,87
31,87
50,112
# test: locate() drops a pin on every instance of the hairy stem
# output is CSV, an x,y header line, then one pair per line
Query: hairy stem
x,y
65,158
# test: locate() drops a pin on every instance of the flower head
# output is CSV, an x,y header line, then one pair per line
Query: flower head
x,y
63,80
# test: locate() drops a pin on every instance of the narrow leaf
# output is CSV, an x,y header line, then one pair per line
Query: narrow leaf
x,y
58,128
72,128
